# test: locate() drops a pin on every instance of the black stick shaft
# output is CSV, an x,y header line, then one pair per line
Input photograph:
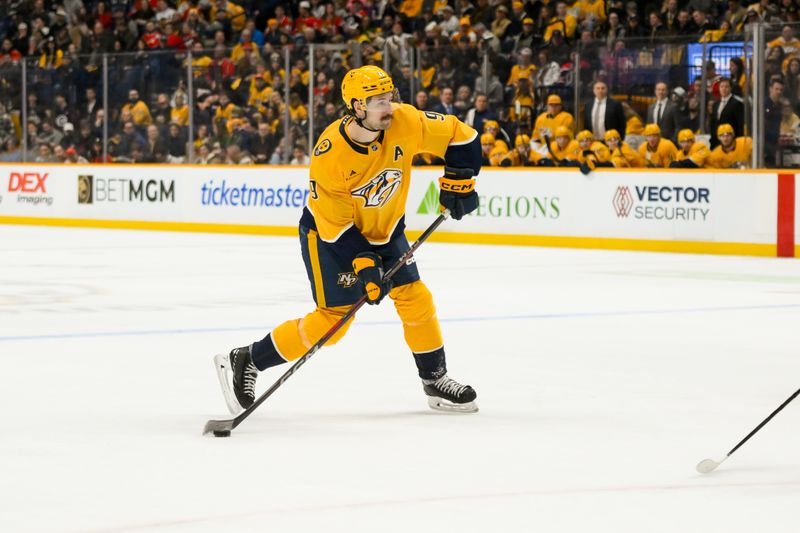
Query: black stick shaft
x,y
342,321
762,424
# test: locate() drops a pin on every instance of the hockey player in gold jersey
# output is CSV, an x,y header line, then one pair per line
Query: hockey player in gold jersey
x,y
656,151
593,153
622,155
548,122
564,148
354,225
693,154
732,152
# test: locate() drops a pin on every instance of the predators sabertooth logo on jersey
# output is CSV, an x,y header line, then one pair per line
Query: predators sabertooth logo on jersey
x,y
347,279
380,188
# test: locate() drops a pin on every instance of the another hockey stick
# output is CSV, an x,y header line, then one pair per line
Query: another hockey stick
x,y
709,465
556,160
222,428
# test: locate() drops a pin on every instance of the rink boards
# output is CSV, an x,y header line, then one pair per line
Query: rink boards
x,y
722,212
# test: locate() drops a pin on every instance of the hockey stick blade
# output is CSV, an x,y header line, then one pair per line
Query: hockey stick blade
x,y
709,465
213,426
219,425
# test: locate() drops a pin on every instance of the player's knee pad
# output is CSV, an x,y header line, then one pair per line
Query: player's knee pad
x,y
317,323
414,304
293,338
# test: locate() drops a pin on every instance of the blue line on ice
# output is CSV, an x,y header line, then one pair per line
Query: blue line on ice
x,y
543,316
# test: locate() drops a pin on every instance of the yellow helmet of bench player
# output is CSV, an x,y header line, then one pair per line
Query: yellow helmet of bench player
x,y
522,140
685,135
487,138
723,129
652,129
585,135
563,131
363,82
613,134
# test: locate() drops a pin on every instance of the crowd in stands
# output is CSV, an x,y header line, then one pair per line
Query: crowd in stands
x,y
508,68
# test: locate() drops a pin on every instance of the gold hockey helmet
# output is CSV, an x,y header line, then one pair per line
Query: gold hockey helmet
x,y
363,82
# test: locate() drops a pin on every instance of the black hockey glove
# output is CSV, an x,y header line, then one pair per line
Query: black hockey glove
x,y
369,269
686,163
546,162
457,191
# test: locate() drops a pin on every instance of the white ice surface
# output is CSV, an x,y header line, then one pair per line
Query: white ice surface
x,y
602,379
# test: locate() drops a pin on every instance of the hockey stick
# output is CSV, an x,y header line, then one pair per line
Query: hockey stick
x,y
709,465
222,428
556,160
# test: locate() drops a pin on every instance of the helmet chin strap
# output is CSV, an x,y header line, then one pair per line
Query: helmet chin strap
x,y
361,124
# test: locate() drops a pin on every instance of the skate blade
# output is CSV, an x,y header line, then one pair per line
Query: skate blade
x,y
225,375
440,404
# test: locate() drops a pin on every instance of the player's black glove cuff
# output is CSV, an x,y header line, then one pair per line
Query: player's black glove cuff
x,y
686,163
546,162
369,269
457,191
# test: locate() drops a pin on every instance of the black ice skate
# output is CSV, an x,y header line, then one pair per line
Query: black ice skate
x,y
446,394
237,376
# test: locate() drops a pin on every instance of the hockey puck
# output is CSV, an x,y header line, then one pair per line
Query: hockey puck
x,y
222,433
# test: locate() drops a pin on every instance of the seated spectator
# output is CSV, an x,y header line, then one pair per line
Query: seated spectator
x,y
657,152
45,154
548,72
692,154
732,152
421,100
176,144
155,148
180,112
299,156
139,111
263,144
790,122
205,156
787,41
71,156
523,69
446,105
234,155
476,116
520,112
463,101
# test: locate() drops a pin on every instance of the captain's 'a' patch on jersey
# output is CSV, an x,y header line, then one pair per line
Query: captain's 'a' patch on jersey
x,y
380,189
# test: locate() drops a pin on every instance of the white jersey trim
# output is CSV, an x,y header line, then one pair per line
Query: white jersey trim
x,y
465,142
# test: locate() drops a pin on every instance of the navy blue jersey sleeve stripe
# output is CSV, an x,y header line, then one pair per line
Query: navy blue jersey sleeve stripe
x,y
465,155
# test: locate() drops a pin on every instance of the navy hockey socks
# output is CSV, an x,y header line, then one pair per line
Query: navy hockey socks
x,y
264,353
431,365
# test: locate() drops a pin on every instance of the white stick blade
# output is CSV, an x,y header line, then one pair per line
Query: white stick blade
x,y
707,465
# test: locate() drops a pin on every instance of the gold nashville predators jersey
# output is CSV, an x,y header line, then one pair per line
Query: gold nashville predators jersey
x,y
625,157
662,156
366,185
740,155
698,153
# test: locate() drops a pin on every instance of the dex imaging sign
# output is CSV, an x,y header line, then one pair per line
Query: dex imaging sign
x,y
29,188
